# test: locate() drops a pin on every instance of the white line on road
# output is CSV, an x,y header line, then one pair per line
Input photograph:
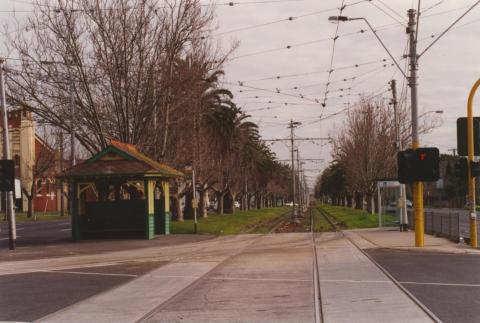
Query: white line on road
x,y
441,284
355,281
240,278
2,239
86,273
64,223
66,229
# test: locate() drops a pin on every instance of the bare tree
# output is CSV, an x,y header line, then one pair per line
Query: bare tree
x,y
42,169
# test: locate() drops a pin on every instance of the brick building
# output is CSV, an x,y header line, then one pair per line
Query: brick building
x,y
26,150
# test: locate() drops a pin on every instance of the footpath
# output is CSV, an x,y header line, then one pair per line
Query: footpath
x,y
290,277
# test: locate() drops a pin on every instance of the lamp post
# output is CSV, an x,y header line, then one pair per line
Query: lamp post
x,y
429,112
412,82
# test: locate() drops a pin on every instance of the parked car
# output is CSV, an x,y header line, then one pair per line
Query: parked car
x,y
392,206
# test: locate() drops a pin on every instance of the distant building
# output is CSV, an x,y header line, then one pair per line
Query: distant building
x,y
25,149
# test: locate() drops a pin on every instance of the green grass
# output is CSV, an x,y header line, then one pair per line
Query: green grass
x,y
253,221
356,219
21,217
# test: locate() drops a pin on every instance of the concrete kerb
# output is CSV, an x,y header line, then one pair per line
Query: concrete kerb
x,y
369,239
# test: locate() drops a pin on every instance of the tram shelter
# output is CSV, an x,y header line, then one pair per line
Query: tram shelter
x,y
120,192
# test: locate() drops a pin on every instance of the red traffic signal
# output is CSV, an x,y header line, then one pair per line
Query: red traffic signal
x,y
419,165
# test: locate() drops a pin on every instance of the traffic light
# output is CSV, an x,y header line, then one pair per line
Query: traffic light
x,y
461,168
462,146
419,165
475,167
406,166
7,175
427,164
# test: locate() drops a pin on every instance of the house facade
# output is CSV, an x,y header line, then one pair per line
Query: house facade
x,y
26,148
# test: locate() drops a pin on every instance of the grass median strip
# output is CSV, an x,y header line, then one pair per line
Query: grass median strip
x,y
349,218
253,221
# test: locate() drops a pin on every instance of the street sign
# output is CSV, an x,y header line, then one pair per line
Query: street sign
x,y
7,175
462,146
388,184
195,203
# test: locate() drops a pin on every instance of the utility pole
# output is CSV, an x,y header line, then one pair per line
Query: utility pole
x,y
62,200
399,147
12,229
299,182
292,126
412,82
72,122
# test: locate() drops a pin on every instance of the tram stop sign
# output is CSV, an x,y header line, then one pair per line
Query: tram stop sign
x,y
7,175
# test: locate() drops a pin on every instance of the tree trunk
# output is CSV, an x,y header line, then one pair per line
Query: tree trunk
x,y
30,207
220,203
177,209
202,210
358,201
228,203
369,197
349,200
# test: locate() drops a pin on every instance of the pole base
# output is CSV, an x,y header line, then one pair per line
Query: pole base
x,y
403,227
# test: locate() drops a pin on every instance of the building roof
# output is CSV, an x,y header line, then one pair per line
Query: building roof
x,y
121,160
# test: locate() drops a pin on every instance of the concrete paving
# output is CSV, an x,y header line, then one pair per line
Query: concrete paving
x,y
353,289
394,239
244,278
269,282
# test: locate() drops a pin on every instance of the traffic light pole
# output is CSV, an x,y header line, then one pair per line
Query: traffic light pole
x,y
12,232
412,82
471,180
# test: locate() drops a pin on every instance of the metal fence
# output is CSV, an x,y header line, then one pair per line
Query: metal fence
x,y
449,223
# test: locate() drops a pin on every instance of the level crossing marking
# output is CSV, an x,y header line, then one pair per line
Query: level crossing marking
x,y
86,273
441,284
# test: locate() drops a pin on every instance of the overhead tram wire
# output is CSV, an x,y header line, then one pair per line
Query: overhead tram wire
x,y
330,70
291,18
284,76
393,11
386,13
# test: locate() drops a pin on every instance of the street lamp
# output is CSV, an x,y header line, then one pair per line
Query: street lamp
x,y
412,82
432,111
344,19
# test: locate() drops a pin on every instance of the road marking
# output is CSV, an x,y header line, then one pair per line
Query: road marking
x,y
20,229
8,238
64,223
441,284
86,273
240,278
260,279
66,229
355,281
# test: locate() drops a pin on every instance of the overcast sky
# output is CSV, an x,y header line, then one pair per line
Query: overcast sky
x,y
446,72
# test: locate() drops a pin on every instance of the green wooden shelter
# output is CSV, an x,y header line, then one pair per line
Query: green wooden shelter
x,y
120,192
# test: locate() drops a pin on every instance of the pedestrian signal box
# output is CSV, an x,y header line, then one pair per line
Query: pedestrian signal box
x,y
7,175
419,165
462,143
461,168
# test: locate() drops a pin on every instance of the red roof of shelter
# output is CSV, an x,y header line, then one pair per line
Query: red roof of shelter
x,y
121,159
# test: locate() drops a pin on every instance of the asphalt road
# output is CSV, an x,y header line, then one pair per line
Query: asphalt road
x,y
448,284
28,297
46,239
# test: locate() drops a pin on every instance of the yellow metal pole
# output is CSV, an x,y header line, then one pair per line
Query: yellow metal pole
x,y
471,180
418,208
